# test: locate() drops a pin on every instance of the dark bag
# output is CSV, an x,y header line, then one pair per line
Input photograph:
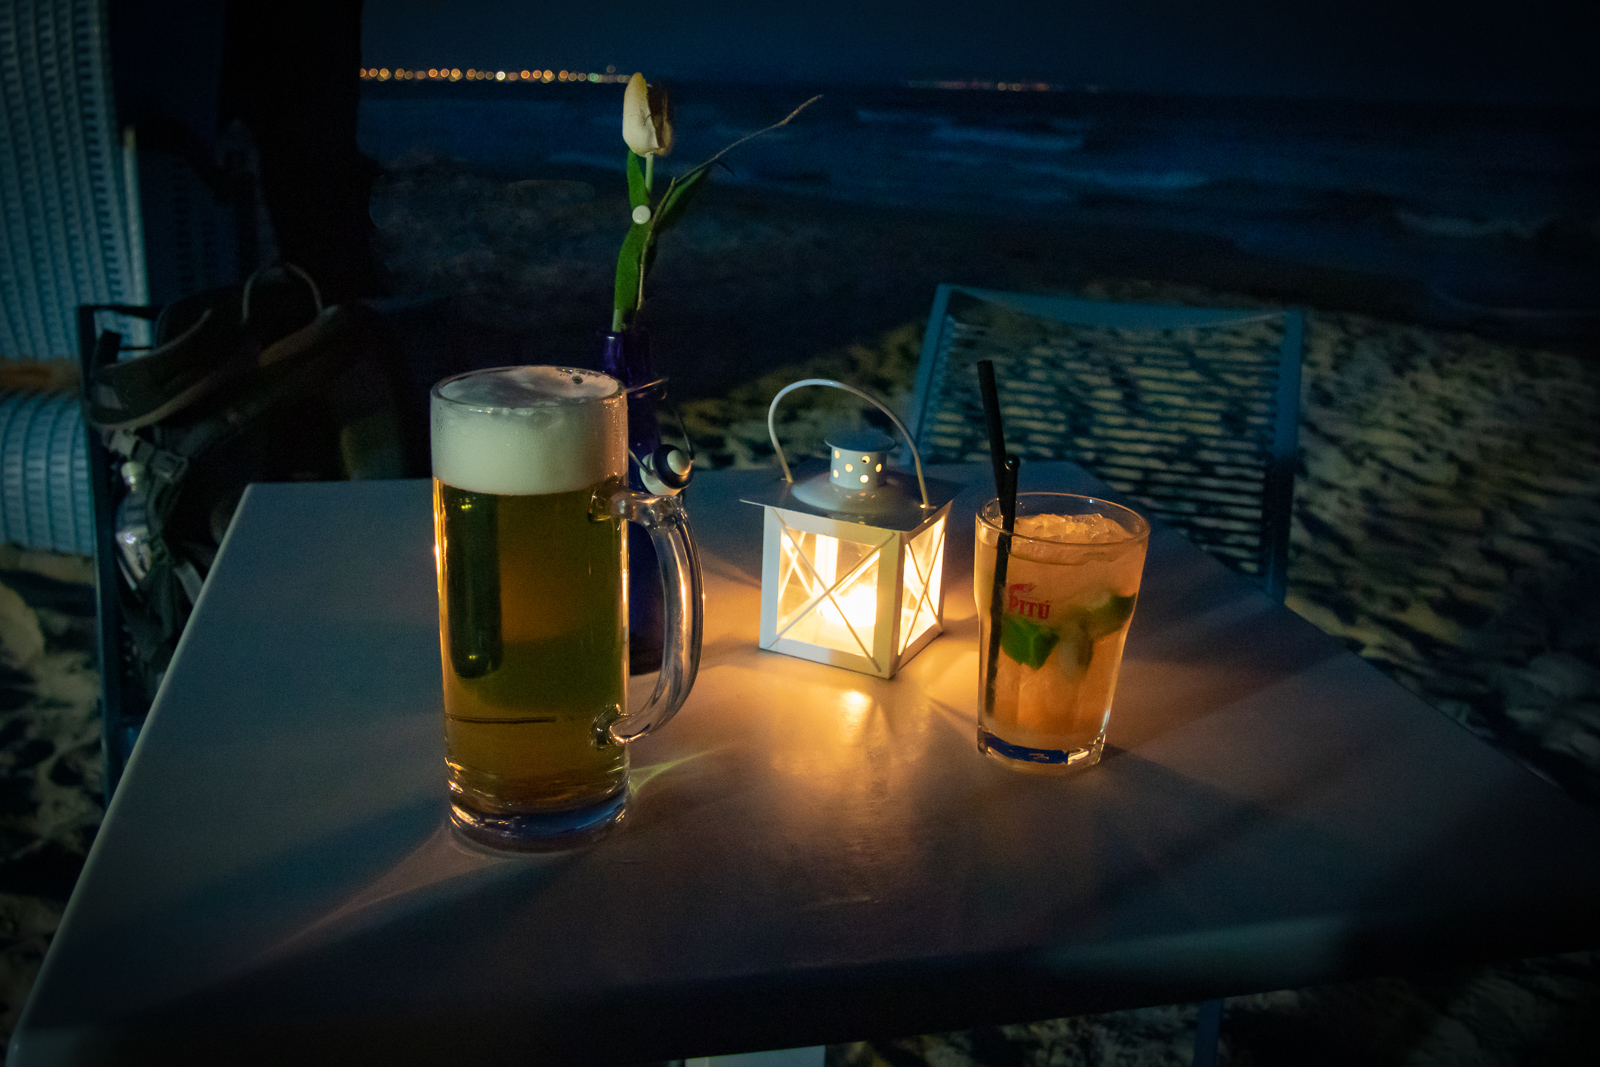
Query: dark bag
x,y
252,383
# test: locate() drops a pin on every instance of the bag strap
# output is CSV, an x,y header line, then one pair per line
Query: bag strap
x,y
288,366
130,394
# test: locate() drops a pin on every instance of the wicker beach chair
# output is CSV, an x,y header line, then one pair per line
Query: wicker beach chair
x,y
1191,412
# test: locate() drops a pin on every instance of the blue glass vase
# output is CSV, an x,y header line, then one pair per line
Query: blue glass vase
x,y
625,355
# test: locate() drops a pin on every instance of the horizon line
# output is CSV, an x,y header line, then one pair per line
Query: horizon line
x,y
985,84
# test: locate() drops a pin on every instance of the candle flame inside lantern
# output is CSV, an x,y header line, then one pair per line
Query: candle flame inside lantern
x,y
830,591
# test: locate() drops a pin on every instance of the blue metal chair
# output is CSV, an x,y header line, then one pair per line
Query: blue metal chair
x,y
1192,412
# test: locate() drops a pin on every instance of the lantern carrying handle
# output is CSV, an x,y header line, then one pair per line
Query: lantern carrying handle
x,y
772,427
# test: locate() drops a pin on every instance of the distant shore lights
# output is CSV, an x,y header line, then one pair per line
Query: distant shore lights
x,y
989,86
610,77
474,74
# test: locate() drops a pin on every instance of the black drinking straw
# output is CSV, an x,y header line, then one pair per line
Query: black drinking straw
x,y
1005,488
991,416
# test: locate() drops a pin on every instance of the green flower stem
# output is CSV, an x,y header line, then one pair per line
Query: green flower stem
x,y
649,172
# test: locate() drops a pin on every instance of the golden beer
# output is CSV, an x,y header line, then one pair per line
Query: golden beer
x,y
533,632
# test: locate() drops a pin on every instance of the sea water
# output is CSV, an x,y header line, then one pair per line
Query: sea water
x,y
1491,207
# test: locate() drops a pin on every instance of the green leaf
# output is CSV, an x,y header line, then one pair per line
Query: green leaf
x,y
630,261
1025,641
1108,616
638,195
678,198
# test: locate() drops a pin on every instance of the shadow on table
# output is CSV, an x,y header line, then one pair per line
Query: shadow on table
x,y
299,902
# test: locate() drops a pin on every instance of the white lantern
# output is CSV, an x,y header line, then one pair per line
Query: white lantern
x,y
853,556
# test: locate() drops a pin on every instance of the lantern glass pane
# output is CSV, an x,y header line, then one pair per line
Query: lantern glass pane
x,y
822,582
924,570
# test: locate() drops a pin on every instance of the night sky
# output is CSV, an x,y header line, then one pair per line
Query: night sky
x,y
1532,50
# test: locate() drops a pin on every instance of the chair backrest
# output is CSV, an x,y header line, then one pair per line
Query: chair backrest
x,y
1192,412
66,235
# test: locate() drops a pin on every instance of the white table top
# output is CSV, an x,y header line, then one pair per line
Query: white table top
x,y
810,856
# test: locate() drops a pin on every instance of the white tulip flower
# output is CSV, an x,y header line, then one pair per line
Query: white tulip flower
x,y
646,118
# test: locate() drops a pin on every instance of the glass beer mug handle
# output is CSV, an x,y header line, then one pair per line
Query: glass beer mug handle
x,y
664,518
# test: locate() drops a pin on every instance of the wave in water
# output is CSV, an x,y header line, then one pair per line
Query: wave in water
x,y
1454,226
989,137
916,118
613,161
1140,181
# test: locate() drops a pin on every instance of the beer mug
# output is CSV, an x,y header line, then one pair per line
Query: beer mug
x,y
530,495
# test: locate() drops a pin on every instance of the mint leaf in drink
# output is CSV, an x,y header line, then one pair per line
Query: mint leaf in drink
x,y
1107,616
1026,641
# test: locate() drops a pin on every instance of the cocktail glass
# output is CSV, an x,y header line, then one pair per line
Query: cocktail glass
x,y
1071,581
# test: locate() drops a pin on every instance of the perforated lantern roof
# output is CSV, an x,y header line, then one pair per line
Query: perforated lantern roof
x,y
896,504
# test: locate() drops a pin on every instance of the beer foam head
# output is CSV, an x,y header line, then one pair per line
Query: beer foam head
x,y
527,430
